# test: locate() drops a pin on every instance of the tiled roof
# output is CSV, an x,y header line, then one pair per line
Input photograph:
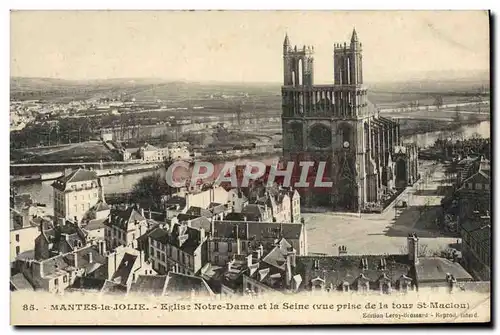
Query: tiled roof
x,y
123,219
110,287
254,212
125,268
181,283
198,211
95,224
149,285
101,206
19,282
76,176
189,245
87,283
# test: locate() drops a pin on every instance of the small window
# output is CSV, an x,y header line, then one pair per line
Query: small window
x,y
56,282
18,250
65,279
216,246
230,247
17,237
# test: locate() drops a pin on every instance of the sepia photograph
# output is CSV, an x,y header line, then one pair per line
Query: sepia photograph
x,y
250,167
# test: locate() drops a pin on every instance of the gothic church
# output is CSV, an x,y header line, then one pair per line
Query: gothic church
x,y
365,157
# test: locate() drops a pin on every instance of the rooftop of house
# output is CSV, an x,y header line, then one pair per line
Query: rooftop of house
x,y
111,287
181,283
189,244
149,285
19,282
101,206
217,208
258,231
124,219
436,269
124,269
95,224
79,175
87,284
148,147
198,211
175,201
254,212
235,217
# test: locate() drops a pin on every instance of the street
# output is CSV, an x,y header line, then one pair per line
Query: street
x,y
385,233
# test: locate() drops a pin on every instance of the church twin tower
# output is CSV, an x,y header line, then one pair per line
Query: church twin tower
x,y
337,124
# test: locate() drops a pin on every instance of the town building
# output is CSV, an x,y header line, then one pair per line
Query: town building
x,y
178,247
230,238
474,192
337,124
124,226
476,246
76,193
150,153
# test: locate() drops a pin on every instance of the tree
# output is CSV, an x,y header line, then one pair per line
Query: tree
x,y
149,191
438,102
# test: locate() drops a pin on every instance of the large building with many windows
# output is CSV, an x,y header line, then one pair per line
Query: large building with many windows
x,y
76,193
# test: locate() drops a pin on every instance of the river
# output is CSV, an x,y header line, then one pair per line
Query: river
x,y
42,191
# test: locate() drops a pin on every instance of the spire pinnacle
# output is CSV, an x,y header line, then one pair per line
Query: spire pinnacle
x,y
354,38
286,42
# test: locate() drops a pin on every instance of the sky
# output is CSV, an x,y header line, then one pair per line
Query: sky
x,y
242,46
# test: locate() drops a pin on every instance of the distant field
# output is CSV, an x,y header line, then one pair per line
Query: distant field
x,y
85,151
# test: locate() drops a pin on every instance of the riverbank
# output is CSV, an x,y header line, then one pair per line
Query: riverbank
x,y
100,173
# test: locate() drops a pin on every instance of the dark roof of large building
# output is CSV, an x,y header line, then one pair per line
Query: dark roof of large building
x,y
124,218
76,176
337,270
251,230
183,237
149,284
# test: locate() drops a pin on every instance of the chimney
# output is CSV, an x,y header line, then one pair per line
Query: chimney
x,y
142,212
451,282
91,257
149,214
75,255
249,260
202,234
260,251
413,248
290,265
238,241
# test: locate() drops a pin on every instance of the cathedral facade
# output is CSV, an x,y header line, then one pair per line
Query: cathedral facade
x,y
365,157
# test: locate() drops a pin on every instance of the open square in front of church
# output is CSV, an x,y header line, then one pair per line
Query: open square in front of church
x,y
383,233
